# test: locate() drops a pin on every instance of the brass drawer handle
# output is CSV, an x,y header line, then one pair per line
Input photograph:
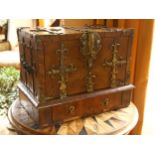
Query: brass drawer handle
x,y
105,102
71,109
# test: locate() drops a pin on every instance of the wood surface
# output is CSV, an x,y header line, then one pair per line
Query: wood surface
x,y
140,61
140,57
110,123
44,57
98,84
73,107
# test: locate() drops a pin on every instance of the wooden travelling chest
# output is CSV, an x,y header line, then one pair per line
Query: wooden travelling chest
x,y
72,72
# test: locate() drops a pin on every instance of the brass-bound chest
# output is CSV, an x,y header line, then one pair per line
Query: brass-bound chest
x,y
71,72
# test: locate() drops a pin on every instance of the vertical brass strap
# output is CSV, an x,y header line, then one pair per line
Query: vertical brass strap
x,y
61,71
114,63
90,47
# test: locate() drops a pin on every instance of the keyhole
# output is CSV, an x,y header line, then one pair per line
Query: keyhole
x,y
71,109
105,102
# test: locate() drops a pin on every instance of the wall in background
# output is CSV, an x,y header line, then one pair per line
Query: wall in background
x,y
12,26
69,22
149,113
77,22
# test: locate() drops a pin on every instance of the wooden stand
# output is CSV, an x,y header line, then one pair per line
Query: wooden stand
x,y
110,123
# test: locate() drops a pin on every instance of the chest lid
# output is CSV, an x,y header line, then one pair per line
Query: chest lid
x,y
63,30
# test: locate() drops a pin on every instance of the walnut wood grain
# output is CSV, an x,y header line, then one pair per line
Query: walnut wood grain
x,y
73,72
110,123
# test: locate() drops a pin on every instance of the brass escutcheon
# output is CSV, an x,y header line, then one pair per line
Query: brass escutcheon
x,y
71,109
105,102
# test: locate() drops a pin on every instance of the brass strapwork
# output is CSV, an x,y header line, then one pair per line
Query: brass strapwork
x,y
115,62
90,47
32,63
28,65
22,57
90,81
61,71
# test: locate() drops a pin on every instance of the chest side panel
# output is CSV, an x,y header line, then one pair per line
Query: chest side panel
x,y
32,63
27,59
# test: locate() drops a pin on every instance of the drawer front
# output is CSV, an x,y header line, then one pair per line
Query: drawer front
x,y
90,106
66,112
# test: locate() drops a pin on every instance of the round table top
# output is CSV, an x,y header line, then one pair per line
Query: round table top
x,y
117,122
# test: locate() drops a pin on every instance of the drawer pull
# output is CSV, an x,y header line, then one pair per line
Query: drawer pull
x,y
105,102
71,109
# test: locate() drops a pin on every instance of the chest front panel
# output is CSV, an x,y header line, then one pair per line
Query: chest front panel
x,y
67,70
